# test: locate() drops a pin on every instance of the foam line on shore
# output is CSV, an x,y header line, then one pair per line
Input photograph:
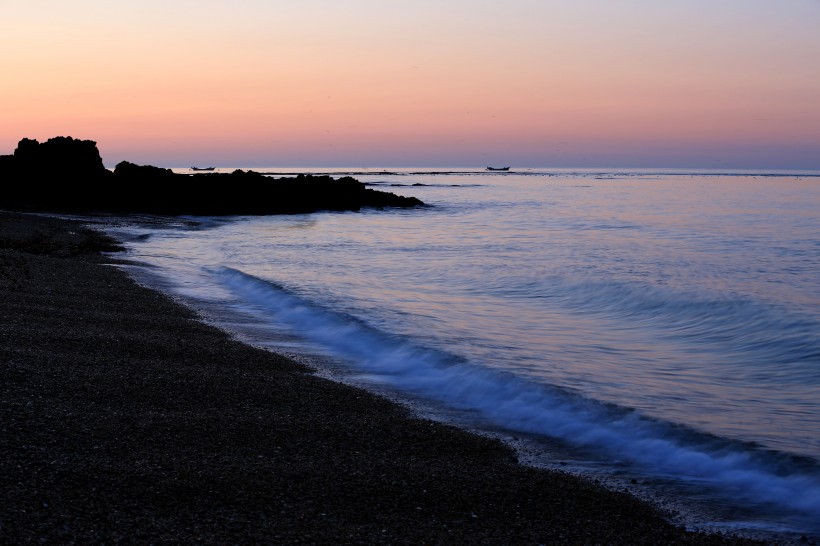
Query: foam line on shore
x,y
521,406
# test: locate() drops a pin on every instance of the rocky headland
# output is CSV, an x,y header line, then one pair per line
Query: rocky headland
x,y
67,175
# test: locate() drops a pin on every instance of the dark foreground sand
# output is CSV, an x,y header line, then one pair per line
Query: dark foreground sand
x,y
124,419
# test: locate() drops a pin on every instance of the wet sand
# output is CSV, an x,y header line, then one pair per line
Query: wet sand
x,y
125,419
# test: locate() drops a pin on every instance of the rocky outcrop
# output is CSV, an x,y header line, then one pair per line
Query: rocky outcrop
x,y
160,191
67,175
51,176
79,157
128,171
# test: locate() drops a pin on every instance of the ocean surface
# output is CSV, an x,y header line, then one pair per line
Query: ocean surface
x,y
656,330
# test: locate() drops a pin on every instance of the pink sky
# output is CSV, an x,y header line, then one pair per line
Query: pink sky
x,y
733,84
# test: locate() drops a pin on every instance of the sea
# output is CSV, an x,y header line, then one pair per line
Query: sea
x,y
657,331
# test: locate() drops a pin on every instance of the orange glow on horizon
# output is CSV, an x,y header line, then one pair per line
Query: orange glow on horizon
x,y
279,82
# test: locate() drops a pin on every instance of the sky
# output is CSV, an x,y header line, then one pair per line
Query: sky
x,y
367,83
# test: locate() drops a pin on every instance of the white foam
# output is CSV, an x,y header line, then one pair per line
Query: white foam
x,y
519,405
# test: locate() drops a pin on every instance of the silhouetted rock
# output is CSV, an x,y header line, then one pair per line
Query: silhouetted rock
x,y
6,164
79,157
67,175
126,170
51,176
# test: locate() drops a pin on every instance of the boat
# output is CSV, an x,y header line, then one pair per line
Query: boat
x,y
202,168
498,168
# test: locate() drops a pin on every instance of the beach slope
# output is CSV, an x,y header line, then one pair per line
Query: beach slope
x,y
125,419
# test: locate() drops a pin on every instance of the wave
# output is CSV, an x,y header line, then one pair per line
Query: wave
x,y
762,332
731,469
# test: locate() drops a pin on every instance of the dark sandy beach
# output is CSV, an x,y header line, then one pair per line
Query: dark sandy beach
x,y
125,419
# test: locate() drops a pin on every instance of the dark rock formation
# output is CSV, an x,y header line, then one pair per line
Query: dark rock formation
x,y
53,176
79,157
128,171
67,175
6,163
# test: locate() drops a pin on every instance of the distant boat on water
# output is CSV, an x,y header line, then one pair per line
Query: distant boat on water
x,y
498,168
202,168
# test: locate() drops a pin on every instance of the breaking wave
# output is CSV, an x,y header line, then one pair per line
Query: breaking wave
x,y
730,468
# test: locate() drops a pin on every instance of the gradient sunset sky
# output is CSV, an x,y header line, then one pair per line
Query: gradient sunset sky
x,y
569,83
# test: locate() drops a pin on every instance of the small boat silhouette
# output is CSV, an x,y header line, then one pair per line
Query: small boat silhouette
x,y
498,168
202,168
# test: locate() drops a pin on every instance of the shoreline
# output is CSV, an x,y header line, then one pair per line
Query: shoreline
x,y
125,418
680,508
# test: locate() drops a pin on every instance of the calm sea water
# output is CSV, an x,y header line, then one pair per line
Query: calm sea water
x,y
659,326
